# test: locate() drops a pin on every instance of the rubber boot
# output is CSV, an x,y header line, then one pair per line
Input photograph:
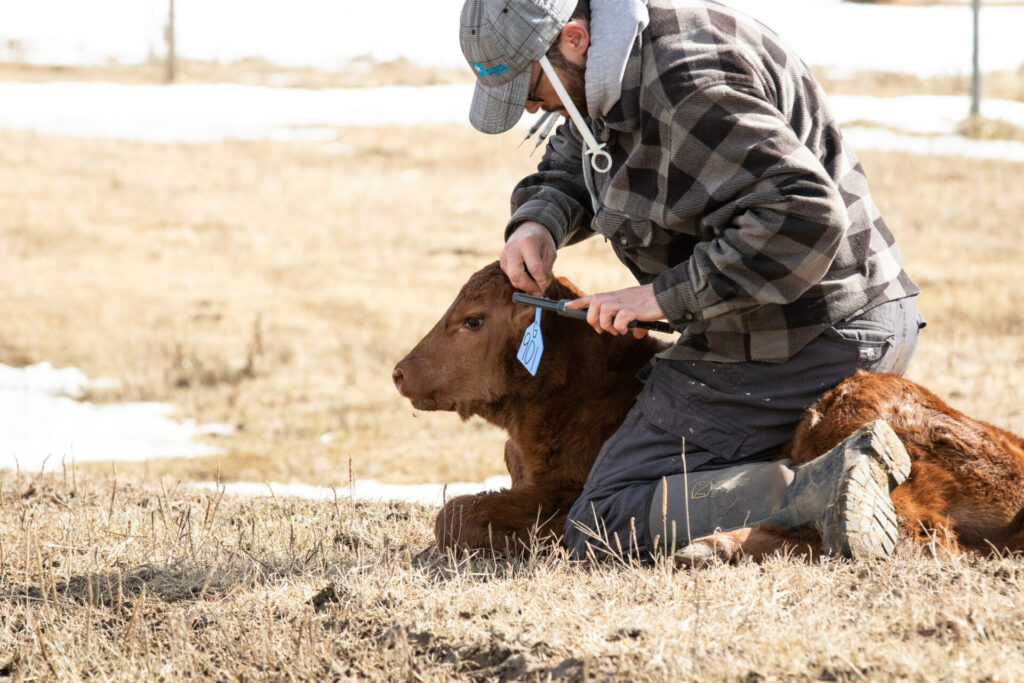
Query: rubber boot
x,y
685,508
844,493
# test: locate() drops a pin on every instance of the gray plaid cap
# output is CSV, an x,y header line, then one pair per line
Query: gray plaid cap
x,y
500,40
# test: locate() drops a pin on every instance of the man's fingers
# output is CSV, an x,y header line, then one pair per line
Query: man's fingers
x,y
517,274
582,302
524,282
614,311
622,320
537,270
594,315
528,257
607,318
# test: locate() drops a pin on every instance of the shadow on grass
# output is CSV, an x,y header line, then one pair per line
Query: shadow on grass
x,y
120,588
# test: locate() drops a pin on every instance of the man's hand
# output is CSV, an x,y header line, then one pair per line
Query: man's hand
x,y
613,311
528,257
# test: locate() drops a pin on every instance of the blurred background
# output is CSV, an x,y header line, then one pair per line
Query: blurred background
x,y
223,222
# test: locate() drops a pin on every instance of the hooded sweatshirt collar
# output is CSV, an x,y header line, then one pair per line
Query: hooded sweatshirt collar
x,y
613,60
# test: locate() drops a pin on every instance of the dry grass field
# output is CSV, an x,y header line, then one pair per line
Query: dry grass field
x,y
273,286
133,580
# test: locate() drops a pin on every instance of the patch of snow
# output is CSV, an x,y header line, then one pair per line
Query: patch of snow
x,y
319,33
208,113
364,489
43,378
43,426
939,145
930,114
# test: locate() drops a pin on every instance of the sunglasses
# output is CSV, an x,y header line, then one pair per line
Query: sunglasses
x,y
531,95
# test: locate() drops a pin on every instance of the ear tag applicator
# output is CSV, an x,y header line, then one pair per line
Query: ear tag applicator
x,y
532,347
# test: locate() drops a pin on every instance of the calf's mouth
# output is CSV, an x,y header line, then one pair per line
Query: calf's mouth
x,y
419,401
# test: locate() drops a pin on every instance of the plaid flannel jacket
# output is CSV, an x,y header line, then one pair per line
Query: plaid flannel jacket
x,y
731,189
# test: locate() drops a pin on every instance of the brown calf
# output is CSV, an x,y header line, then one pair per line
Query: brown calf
x,y
966,484
556,421
966,487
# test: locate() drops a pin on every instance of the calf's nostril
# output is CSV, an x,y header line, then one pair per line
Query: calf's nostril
x,y
397,376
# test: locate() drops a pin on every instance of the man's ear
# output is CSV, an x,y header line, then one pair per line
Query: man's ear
x,y
574,41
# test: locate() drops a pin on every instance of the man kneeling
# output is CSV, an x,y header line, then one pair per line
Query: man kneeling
x,y
699,147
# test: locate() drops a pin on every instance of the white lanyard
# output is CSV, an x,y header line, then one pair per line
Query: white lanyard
x,y
600,159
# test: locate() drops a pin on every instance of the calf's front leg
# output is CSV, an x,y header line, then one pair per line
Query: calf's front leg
x,y
507,521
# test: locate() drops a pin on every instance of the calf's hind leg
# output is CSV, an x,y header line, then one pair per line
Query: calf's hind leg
x,y
844,494
751,543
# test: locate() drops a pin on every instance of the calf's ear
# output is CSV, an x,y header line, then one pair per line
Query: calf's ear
x,y
563,288
522,316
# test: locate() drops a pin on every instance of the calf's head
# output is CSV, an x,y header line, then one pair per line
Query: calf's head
x,y
467,362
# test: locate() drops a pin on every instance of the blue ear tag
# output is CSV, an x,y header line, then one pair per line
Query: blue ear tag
x,y
532,347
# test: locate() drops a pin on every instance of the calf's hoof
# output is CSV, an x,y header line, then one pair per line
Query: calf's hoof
x,y
715,549
456,526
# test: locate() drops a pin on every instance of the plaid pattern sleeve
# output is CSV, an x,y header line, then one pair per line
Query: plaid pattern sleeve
x,y
556,195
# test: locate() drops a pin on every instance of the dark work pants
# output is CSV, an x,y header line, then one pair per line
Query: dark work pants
x,y
729,414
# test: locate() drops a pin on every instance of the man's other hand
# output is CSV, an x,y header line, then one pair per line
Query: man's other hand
x,y
613,311
528,257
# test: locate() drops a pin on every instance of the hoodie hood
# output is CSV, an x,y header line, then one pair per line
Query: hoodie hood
x,y
614,26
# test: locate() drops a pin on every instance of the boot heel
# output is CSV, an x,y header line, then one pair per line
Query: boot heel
x,y
867,524
862,522
888,451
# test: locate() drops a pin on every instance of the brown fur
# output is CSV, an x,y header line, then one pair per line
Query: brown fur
x,y
556,421
966,484
965,491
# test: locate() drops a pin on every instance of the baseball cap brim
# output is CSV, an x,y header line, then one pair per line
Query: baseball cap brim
x,y
497,108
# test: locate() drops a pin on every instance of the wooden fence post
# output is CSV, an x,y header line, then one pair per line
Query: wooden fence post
x,y
976,66
171,57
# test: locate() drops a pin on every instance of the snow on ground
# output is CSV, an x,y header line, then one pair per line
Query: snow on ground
x,y
206,113
939,145
42,424
327,33
366,489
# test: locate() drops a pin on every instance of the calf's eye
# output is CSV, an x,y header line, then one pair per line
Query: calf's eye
x,y
473,323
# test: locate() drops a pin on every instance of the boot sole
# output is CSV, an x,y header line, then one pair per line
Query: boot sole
x,y
867,526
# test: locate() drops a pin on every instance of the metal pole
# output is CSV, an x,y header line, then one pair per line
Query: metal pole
x,y
171,58
976,73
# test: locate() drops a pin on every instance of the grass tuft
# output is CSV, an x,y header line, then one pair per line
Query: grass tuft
x,y
981,128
